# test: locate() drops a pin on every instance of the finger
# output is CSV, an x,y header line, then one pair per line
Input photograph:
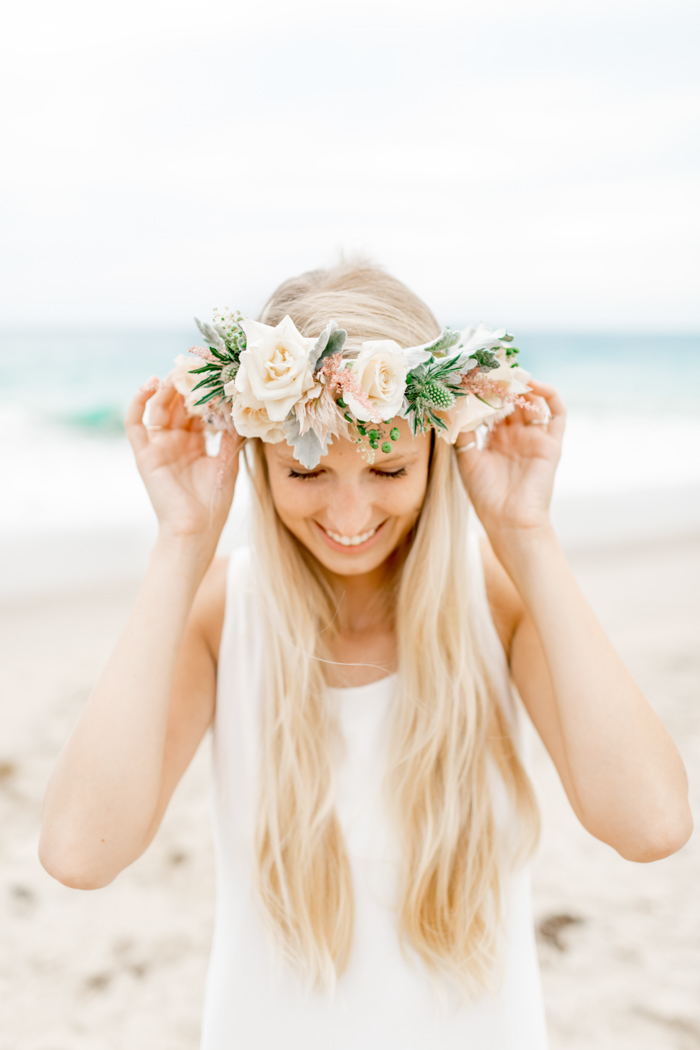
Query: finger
x,y
555,405
133,420
179,416
227,466
466,448
160,408
231,445
536,409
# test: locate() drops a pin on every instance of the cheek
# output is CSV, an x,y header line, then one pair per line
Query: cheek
x,y
404,500
294,500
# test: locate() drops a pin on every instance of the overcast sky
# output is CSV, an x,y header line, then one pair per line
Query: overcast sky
x,y
531,163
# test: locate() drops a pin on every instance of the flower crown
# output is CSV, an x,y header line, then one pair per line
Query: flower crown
x,y
273,383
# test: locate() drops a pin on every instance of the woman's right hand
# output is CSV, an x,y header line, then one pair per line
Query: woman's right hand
x,y
191,492
156,697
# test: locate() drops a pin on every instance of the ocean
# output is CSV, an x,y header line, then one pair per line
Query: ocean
x,y
633,400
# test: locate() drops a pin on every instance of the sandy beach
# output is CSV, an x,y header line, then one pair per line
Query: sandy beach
x,y
123,968
530,170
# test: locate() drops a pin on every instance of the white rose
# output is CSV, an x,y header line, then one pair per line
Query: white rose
x,y
380,369
481,338
250,417
468,413
515,377
275,366
184,380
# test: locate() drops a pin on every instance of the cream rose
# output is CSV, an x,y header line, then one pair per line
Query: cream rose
x,y
380,369
470,411
250,417
275,367
184,380
512,379
468,414
482,338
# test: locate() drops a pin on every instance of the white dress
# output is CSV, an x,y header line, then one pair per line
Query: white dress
x,y
384,1000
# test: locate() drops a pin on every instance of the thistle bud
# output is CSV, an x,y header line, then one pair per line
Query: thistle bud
x,y
438,394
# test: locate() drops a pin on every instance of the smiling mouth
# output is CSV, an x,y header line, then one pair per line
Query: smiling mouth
x,y
351,541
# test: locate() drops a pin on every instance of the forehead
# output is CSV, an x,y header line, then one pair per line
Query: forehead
x,y
346,454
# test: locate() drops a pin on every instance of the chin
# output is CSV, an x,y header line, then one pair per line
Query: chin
x,y
348,564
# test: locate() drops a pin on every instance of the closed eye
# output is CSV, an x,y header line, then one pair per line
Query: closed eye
x,y
400,473
303,477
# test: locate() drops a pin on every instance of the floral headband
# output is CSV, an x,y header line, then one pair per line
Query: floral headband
x,y
276,384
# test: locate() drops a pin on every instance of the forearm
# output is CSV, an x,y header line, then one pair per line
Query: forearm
x,y
625,775
102,797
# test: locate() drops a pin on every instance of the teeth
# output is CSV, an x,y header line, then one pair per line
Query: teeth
x,y
351,541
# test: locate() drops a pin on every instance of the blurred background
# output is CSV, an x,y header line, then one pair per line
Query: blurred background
x,y
532,164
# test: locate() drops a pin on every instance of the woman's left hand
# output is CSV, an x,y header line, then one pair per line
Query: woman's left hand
x,y
510,481
619,767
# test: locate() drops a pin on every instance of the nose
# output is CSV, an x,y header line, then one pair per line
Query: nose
x,y
350,512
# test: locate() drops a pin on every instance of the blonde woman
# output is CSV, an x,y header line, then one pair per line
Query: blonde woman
x,y
363,667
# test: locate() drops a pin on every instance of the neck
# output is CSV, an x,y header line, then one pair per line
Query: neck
x,y
365,601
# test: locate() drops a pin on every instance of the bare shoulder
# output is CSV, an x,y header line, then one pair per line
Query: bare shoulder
x,y
504,600
210,604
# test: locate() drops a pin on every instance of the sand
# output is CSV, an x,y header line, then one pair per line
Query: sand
x,y
123,968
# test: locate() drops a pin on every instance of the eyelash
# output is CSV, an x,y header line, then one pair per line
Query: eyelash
x,y
400,473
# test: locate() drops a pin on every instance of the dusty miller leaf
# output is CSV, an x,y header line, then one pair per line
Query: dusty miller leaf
x,y
211,334
308,448
334,345
331,341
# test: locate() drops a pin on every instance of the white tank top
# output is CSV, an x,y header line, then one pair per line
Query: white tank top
x,y
384,1000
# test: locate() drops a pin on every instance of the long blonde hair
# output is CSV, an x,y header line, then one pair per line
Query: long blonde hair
x,y
449,720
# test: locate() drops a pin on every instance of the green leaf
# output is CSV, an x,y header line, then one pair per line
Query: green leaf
x,y
486,358
444,342
483,400
209,381
209,396
413,420
221,357
335,344
435,420
442,370
210,366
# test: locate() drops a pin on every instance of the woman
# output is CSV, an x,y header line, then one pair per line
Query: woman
x,y
373,814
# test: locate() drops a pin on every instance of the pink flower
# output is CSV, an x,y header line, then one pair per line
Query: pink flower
x,y
490,397
319,412
341,380
202,351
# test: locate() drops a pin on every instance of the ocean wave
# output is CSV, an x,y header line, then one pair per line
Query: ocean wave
x,y
68,478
